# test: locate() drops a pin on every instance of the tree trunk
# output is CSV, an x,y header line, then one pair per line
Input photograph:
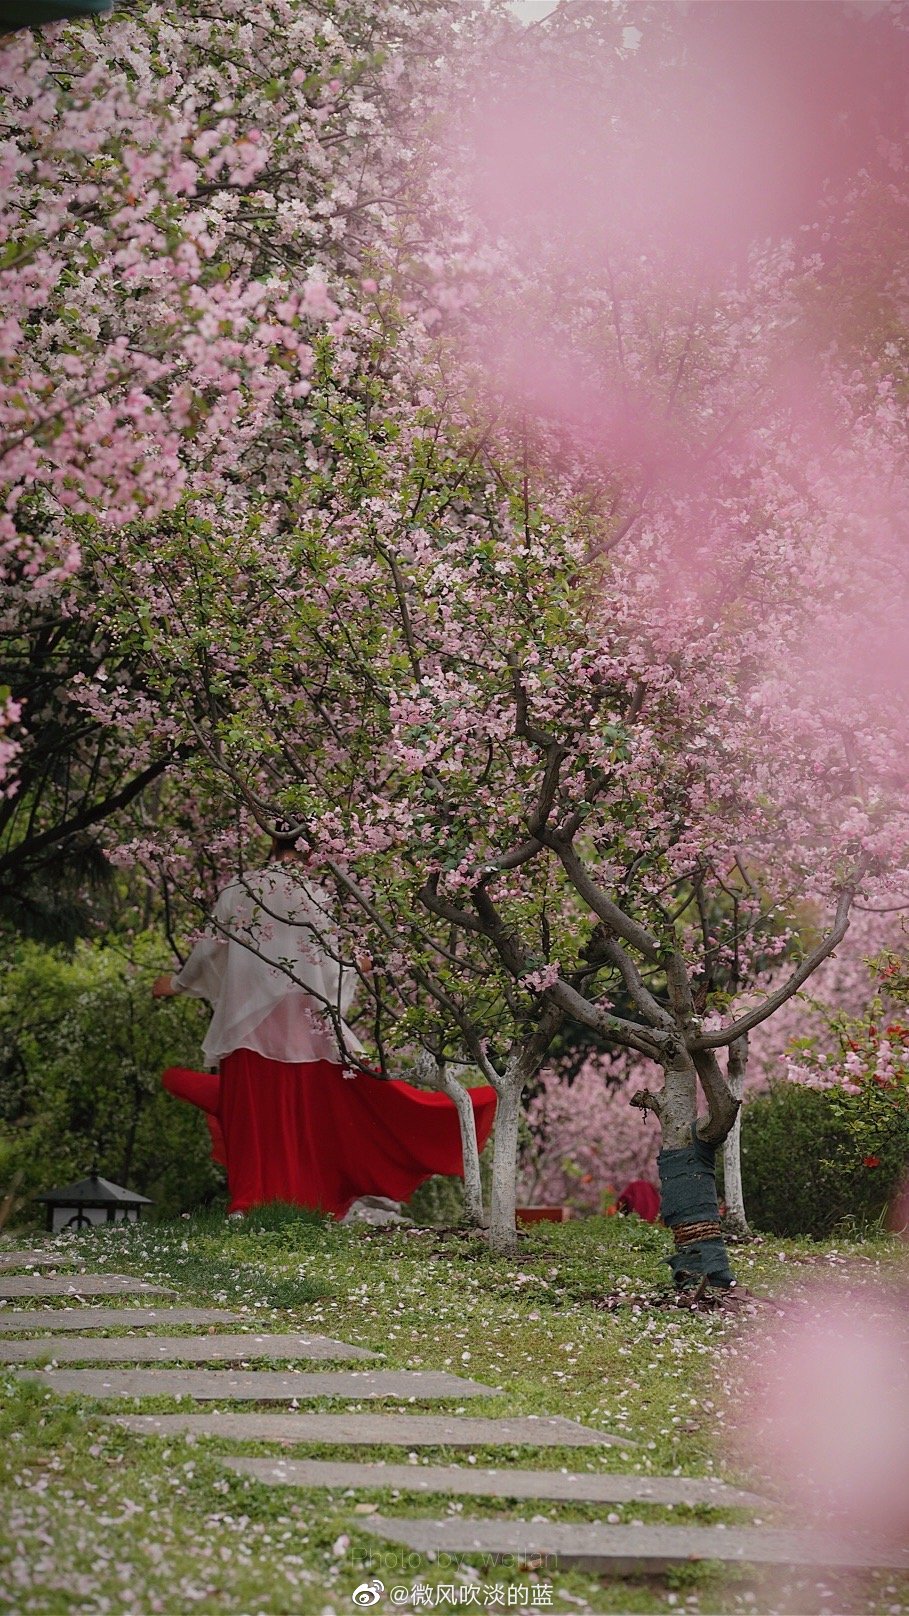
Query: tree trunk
x,y
503,1236
678,1104
735,1220
474,1211
688,1198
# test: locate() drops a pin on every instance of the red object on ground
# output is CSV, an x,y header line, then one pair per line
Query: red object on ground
x,y
542,1214
642,1198
308,1135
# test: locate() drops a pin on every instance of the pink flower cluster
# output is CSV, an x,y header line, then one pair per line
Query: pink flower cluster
x,y
179,221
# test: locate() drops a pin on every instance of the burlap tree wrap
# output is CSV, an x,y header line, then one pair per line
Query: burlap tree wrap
x,y
690,1209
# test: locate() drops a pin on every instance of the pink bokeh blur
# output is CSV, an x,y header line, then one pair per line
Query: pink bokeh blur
x,y
719,125
824,1410
631,179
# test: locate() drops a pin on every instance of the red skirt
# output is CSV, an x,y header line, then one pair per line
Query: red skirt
x,y
308,1135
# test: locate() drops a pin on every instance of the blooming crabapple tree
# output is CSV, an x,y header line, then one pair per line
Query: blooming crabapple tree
x,y
186,197
544,712
594,710
631,236
540,795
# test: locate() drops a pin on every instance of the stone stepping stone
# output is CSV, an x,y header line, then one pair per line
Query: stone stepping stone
x,y
179,1349
16,1285
256,1385
36,1259
111,1318
377,1430
632,1550
457,1480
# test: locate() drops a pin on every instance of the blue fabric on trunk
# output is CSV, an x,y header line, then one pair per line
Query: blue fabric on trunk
x,y
688,1195
36,13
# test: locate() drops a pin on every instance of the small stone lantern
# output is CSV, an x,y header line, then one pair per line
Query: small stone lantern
x,y
92,1200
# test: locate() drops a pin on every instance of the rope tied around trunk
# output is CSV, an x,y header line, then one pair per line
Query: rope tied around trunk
x,y
684,1233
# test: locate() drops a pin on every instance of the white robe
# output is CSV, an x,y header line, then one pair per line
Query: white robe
x,y
273,939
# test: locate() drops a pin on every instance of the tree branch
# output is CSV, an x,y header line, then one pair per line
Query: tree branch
x,y
626,1033
524,726
525,1062
429,897
87,817
728,1035
650,1008
722,1107
559,993
602,906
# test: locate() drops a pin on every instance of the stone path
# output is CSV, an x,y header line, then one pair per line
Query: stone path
x,y
257,1386
111,1318
375,1430
594,1546
36,1259
181,1349
627,1550
16,1285
459,1481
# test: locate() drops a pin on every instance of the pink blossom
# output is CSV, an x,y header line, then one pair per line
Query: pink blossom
x,y
586,1142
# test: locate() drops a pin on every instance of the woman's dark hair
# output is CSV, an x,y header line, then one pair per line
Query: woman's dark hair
x,y
289,836
284,844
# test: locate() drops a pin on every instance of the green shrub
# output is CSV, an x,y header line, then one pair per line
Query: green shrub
x,y
805,1167
439,1202
82,1048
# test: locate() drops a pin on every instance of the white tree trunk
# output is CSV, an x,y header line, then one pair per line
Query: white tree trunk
x,y
474,1211
735,1219
502,1230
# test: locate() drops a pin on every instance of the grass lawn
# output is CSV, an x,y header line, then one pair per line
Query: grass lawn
x,y
97,1520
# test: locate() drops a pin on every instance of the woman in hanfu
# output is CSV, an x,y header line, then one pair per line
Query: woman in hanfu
x,y
288,1118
